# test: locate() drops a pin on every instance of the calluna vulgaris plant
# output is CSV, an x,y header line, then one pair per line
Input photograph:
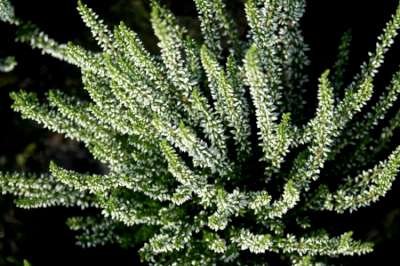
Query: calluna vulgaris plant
x,y
184,135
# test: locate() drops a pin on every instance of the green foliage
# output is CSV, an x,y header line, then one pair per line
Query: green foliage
x,y
7,64
180,132
7,12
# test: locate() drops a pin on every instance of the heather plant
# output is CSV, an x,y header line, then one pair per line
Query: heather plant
x,y
210,154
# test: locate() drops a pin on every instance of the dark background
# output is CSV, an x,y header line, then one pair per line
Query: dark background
x,y
41,236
